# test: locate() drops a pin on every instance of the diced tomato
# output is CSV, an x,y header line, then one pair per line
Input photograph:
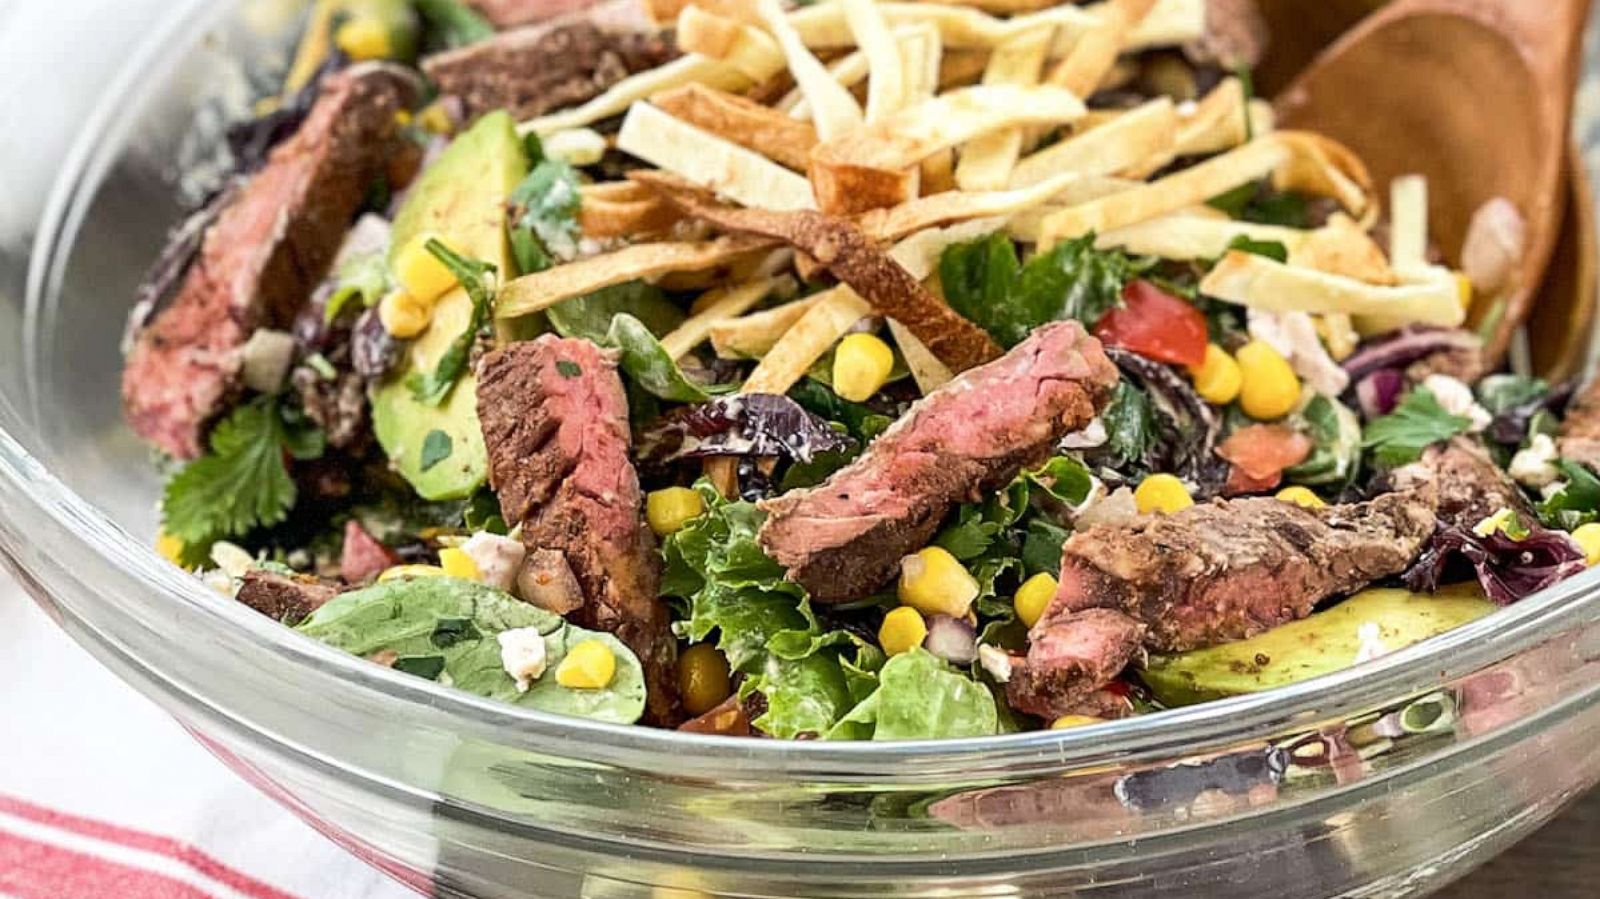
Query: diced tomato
x,y
1260,453
1155,324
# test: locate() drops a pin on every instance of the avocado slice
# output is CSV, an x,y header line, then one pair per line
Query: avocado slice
x,y
462,196
1311,647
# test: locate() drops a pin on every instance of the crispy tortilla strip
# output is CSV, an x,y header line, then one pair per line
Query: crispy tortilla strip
x,y
1260,283
745,47
541,290
751,336
690,69
723,304
1170,22
1028,224
1322,166
833,109
1124,142
926,369
886,89
920,253
874,166
623,209
710,161
852,258
1338,248
835,312
884,225
1000,7
1197,184
758,128
986,163
1408,223
666,12
1096,51
1214,124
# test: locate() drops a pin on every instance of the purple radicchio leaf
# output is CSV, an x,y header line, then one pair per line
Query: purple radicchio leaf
x,y
1379,392
1510,427
1188,446
1507,569
754,424
1406,346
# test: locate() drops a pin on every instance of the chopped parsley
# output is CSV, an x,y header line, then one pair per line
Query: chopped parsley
x,y
432,388
436,447
1416,424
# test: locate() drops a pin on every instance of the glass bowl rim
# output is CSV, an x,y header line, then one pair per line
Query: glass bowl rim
x,y
1240,720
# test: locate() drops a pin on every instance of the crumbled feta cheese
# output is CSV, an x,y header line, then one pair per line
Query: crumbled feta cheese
x,y
576,146
498,558
1534,466
522,654
996,661
231,558
1370,642
265,359
1092,435
1456,398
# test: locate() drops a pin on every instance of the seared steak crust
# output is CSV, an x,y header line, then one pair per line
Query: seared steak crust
x,y
261,260
555,422
535,70
288,598
1469,486
1580,430
1209,574
844,538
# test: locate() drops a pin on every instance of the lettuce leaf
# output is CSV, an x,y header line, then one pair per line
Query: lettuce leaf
x,y
920,697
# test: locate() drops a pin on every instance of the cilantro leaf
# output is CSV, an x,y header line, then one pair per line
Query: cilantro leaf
x,y
1416,424
985,282
243,483
544,216
436,447
432,388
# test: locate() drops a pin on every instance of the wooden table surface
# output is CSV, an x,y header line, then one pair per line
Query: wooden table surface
x,y
1562,861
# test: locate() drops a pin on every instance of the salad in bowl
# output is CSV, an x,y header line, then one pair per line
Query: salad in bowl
x,y
843,371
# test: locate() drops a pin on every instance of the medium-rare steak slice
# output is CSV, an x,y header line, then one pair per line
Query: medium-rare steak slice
x,y
1470,487
283,597
558,63
555,422
1209,574
1580,430
261,260
844,538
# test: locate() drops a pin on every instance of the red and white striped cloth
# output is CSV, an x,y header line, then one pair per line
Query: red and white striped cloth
x,y
102,796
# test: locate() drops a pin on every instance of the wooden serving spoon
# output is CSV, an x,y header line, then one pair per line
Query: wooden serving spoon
x,y
1474,94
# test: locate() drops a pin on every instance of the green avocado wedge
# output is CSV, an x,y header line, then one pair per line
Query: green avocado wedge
x,y
462,198
440,626
1320,644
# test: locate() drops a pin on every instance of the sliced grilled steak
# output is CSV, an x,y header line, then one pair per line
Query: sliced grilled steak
x,y
844,538
550,66
1470,487
261,260
1580,430
1210,574
287,598
555,422
512,13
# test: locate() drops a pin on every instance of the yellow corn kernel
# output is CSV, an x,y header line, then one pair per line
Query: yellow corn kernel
x,y
1588,537
435,119
588,666
861,366
703,678
903,630
934,583
1066,721
1217,379
458,564
363,39
402,117
403,315
419,272
1161,493
1464,290
669,509
407,571
1034,596
1302,497
170,548
1270,389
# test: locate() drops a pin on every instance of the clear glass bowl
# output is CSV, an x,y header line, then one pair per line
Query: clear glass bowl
x,y
1317,790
